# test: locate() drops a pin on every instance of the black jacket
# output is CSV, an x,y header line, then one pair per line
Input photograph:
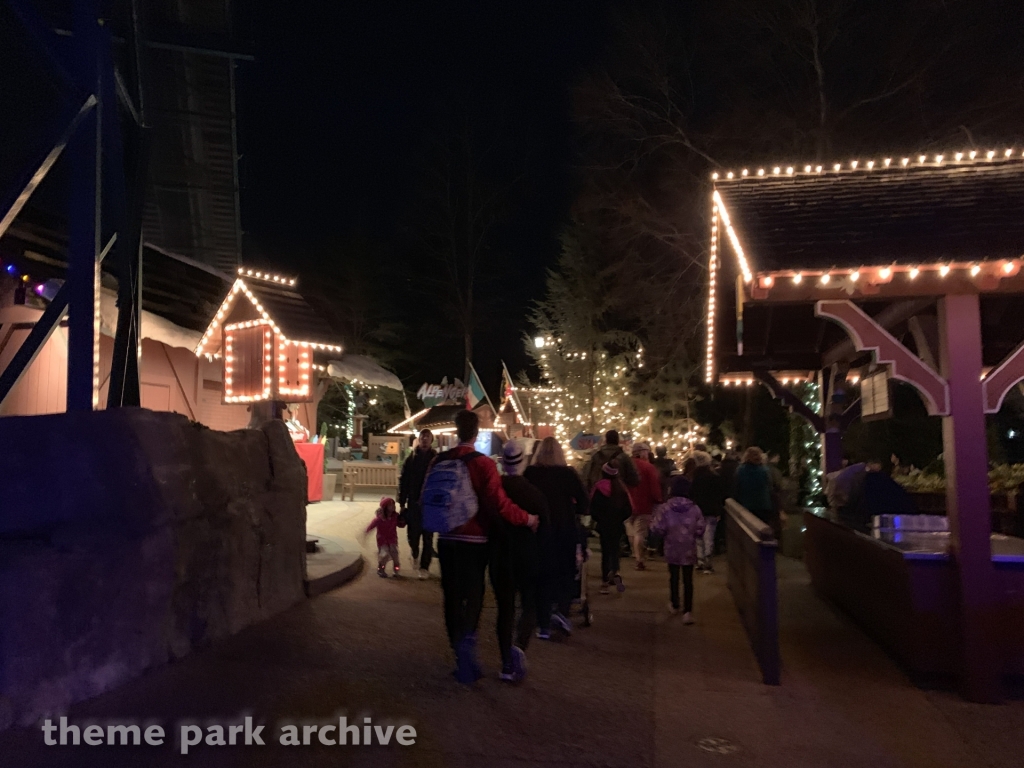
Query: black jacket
x,y
566,497
527,497
708,492
610,513
414,472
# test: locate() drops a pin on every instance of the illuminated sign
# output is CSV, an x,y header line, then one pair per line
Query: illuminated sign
x,y
439,394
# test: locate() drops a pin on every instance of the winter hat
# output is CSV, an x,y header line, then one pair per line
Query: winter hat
x,y
386,502
681,486
640,447
513,458
610,470
703,458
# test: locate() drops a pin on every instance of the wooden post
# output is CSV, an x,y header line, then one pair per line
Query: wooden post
x,y
833,407
967,495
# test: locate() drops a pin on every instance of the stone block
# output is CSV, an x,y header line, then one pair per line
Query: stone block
x,y
157,537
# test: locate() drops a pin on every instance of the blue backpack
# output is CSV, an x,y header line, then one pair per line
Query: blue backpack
x,y
449,500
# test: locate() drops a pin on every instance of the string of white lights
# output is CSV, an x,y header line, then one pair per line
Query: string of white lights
x,y
965,157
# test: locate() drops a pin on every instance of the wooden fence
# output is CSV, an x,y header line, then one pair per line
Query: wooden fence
x,y
752,581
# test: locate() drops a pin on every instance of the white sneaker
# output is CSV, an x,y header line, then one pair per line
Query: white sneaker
x,y
561,622
687,618
423,574
672,610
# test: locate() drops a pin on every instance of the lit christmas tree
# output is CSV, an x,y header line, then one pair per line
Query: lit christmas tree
x,y
595,378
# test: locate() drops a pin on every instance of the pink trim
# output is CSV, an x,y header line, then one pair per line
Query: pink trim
x,y
867,335
1002,379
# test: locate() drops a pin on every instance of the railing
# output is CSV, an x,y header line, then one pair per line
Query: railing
x,y
751,556
367,474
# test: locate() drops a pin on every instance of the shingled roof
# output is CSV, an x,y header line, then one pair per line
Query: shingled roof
x,y
293,315
181,290
257,294
919,210
926,211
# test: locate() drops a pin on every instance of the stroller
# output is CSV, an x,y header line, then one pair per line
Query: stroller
x,y
582,557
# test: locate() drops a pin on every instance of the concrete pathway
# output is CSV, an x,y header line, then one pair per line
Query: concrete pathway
x,y
637,690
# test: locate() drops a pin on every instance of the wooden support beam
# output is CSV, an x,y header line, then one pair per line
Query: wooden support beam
x,y
888,318
1002,379
867,335
791,401
967,498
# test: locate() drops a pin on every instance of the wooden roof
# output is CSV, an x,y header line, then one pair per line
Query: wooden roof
x,y
930,212
292,313
922,213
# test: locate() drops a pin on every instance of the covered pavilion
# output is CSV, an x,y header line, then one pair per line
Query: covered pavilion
x,y
911,264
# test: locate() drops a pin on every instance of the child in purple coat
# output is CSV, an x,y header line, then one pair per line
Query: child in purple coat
x,y
681,522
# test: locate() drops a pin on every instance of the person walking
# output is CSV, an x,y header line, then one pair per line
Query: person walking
x,y
610,508
514,564
386,522
410,486
681,522
567,501
686,481
665,467
463,551
609,452
752,487
644,496
708,493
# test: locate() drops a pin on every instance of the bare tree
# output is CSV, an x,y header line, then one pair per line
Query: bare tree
x,y
463,203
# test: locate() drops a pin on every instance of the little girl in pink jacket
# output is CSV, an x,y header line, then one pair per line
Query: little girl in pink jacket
x,y
387,523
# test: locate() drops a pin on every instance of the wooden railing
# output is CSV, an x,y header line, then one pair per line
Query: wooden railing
x,y
367,474
752,581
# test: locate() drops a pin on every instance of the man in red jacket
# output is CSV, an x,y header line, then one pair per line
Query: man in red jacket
x,y
644,496
463,552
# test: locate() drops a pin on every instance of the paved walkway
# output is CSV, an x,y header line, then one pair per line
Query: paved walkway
x,y
637,690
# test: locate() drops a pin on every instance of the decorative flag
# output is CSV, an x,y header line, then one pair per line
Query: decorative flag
x,y
405,402
475,392
509,391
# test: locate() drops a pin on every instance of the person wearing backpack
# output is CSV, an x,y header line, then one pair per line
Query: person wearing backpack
x,y
462,499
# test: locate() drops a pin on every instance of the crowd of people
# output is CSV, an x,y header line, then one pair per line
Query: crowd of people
x,y
523,529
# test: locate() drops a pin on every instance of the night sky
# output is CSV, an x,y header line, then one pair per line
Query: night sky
x,y
335,118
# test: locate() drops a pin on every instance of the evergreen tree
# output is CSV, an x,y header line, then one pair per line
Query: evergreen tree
x,y
594,359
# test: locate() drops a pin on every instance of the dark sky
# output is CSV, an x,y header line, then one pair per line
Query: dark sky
x,y
336,113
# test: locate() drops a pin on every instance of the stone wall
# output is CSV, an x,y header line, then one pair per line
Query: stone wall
x,y
129,538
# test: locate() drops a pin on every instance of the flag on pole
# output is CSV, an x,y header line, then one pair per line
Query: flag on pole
x,y
405,402
475,392
509,391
